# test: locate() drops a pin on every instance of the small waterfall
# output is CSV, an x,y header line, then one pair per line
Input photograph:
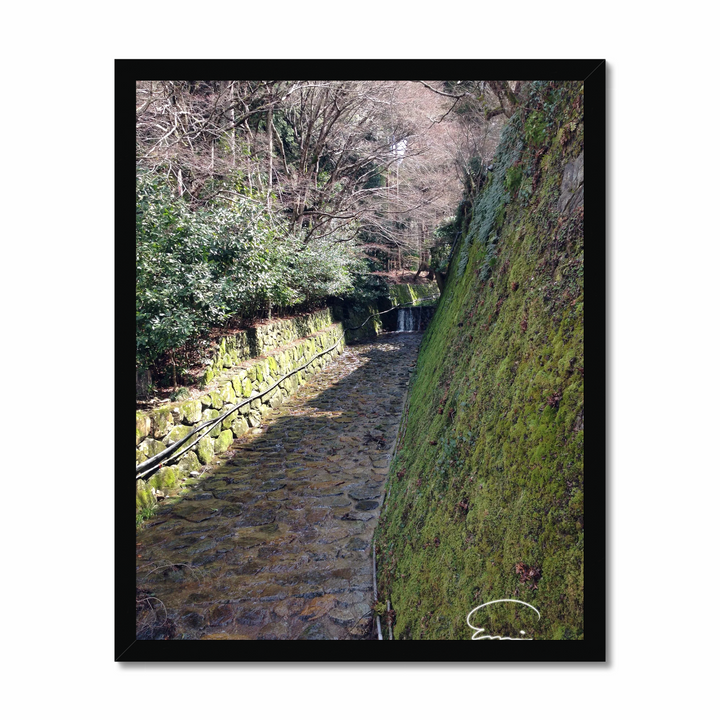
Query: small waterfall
x,y
406,320
414,319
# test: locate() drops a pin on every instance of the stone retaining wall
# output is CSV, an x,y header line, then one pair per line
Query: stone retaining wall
x,y
156,430
407,293
355,316
263,339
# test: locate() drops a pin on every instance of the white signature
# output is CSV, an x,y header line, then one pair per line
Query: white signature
x,y
496,637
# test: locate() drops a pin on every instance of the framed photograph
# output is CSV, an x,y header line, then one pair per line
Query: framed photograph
x,y
360,353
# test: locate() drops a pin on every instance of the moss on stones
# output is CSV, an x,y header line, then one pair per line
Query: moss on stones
x,y
205,450
165,477
237,385
211,414
227,393
162,421
247,387
150,447
216,400
177,433
223,441
192,410
143,426
144,498
188,463
228,421
239,426
172,423
404,293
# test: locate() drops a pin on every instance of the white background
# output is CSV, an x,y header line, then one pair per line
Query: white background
x,y
57,284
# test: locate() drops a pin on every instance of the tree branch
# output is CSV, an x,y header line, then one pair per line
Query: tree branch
x,y
439,92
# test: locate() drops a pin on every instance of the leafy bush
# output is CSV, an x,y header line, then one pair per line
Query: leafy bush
x,y
195,270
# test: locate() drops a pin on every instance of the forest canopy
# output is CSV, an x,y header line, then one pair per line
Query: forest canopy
x,y
256,197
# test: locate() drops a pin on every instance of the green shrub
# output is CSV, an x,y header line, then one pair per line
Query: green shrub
x,y
196,269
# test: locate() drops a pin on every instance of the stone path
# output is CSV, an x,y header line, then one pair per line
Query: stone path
x,y
275,541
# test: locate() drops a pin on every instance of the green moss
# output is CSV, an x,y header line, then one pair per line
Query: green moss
x,y
211,414
223,441
165,477
536,128
499,392
143,426
228,421
177,433
513,178
192,410
188,463
162,421
205,450
227,393
404,293
247,387
150,447
239,427
216,400
237,385
144,499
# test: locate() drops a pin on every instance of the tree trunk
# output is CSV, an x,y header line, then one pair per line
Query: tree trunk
x,y
143,378
270,168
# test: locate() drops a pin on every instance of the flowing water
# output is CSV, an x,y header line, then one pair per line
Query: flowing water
x,y
414,319
275,540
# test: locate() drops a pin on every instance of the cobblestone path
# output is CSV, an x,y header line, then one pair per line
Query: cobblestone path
x,y
275,541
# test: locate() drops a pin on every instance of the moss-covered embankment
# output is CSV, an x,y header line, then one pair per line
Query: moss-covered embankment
x,y
485,495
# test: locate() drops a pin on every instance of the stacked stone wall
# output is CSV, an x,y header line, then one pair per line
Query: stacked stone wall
x,y
160,428
263,340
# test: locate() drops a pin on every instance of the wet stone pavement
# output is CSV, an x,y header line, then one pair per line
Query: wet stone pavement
x,y
275,541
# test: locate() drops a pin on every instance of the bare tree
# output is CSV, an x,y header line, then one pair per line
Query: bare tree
x,y
382,162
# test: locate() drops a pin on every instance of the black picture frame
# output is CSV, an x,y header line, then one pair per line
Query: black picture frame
x,y
593,647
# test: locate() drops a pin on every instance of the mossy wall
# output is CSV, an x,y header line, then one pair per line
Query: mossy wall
x,y
406,293
485,494
263,339
353,321
159,428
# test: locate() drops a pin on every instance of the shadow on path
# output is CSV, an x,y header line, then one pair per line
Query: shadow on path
x,y
275,541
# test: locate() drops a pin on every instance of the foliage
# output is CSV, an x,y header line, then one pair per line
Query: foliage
x,y
254,195
536,128
513,178
197,269
144,514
